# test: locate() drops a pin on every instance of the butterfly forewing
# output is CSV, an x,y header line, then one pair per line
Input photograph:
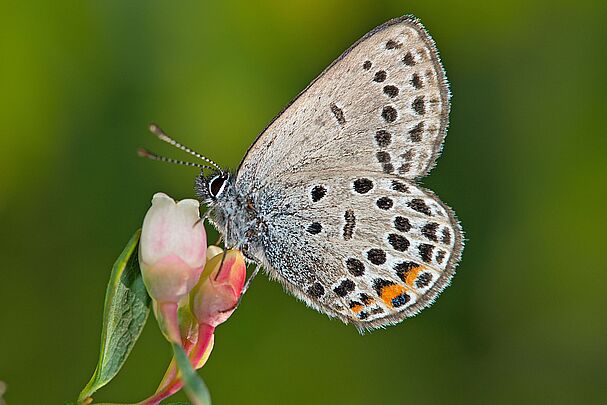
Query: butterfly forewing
x,y
382,106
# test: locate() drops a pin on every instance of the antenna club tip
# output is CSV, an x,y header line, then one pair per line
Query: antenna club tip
x,y
143,152
153,127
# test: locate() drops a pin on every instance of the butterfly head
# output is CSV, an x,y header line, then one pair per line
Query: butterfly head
x,y
209,188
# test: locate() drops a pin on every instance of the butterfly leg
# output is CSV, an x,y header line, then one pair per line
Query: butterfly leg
x,y
223,258
225,249
247,284
202,219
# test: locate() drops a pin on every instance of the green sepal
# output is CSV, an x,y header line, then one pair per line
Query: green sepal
x,y
126,310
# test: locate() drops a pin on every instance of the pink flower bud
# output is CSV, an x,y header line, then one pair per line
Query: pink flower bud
x,y
212,301
216,295
172,253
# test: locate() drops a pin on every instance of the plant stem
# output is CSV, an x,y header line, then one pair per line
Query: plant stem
x,y
197,353
168,311
171,372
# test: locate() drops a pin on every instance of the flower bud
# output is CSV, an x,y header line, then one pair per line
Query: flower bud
x,y
172,254
217,293
212,301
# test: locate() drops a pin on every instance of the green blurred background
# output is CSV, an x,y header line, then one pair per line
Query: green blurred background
x,y
524,167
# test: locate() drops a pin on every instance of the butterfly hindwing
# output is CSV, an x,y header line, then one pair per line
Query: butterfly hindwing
x,y
368,248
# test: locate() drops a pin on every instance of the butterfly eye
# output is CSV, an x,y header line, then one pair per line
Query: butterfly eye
x,y
216,185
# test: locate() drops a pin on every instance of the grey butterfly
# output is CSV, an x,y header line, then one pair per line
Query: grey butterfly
x,y
326,198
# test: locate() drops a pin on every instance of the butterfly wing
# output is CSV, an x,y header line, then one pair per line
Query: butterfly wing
x,y
383,105
377,115
368,248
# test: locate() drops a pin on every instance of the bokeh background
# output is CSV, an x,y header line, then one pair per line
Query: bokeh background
x,y
524,167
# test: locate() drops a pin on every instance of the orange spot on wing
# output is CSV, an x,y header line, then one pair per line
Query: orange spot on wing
x,y
412,275
388,293
357,308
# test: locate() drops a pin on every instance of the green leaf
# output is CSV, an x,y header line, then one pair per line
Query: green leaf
x,y
193,385
126,309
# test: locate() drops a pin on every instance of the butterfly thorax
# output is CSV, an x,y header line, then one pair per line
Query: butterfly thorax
x,y
234,213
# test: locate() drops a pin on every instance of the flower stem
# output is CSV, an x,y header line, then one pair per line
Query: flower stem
x,y
171,386
168,311
171,372
205,337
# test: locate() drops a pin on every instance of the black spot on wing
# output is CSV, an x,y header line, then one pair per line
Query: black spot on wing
x,y
314,228
404,168
318,192
416,132
419,105
400,187
376,256
440,256
402,224
423,280
425,252
362,186
383,138
398,242
419,205
408,59
382,157
429,231
389,113
380,76
416,81
366,299
345,287
400,300
338,113
388,168
446,236
385,203
316,290
350,224
391,91
355,267
392,44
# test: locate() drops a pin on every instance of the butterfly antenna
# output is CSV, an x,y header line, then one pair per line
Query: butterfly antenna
x,y
152,156
155,129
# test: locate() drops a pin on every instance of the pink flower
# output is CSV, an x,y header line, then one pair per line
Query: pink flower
x,y
172,254
217,293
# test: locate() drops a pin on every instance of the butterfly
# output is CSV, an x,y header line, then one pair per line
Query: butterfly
x,y
326,199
